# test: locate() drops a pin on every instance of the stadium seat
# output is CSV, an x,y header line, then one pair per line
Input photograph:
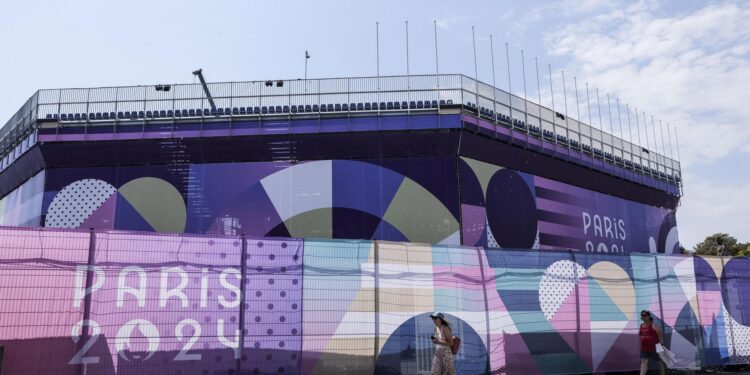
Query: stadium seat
x,y
323,108
285,109
345,107
162,113
360,107
177,113
337,107
293,109
330,107
235,111
170,113
315,108
383,106
442,102
396,105
308,108
368,106
434,104
420,104
279,109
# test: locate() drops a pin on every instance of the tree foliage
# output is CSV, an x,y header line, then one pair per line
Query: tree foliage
x,y
722,244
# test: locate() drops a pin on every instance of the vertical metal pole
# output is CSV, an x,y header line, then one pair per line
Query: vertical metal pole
x,y
599,109
669,138
565,99
494,83
619,119
377,58
609,110
86,322
525,98
307,57
638,127
538,90
653,130
554,112
663,145
731,325
476,72
578,302
243,299
437,66
408,77
510,96
588,106
376,283
578,106
486,302
648,143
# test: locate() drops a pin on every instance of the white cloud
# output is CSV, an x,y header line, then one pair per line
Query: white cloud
x,y
693,71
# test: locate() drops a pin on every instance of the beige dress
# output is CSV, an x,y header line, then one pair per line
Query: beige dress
x,y
444,358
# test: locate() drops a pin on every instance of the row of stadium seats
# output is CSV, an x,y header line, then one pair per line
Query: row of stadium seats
x,y
263,110
573,144
353,107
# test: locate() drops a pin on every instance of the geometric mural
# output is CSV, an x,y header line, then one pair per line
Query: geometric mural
x,y
190,304
509,209
437,200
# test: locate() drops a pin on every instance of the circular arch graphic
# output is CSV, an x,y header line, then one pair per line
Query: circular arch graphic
x,y
409,349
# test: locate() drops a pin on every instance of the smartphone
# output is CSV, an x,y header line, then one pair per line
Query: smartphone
x,y
432,337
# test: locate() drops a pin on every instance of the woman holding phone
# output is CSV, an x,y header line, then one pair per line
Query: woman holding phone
x,y
443,363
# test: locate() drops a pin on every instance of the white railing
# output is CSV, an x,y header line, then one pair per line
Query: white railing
x,y
137,101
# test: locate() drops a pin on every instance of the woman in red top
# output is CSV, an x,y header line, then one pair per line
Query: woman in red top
x,y
650,335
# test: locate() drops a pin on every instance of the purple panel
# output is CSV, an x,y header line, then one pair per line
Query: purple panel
x,y
157,293
334,125
363,186
40,273
47,137
364,123
100,137
216,132
273,308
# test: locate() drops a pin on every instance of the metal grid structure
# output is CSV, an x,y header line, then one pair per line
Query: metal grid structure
x,y
128,104
235,304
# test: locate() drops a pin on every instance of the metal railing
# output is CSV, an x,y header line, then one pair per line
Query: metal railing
x,y
537,120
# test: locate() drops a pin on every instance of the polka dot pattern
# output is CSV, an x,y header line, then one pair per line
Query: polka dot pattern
x,y
76,202
274,316
558,282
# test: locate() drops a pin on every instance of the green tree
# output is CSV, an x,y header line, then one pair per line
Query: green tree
x,y
720,244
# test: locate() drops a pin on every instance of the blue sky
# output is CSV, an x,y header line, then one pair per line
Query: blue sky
x,y
685,62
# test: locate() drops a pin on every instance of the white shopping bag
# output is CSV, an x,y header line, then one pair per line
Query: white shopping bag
x,y
667,357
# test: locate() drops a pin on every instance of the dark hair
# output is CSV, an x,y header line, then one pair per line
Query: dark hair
x,y
445,322
648,313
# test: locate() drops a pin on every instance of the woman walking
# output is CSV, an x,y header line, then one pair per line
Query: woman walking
x,y
443,361
650,335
